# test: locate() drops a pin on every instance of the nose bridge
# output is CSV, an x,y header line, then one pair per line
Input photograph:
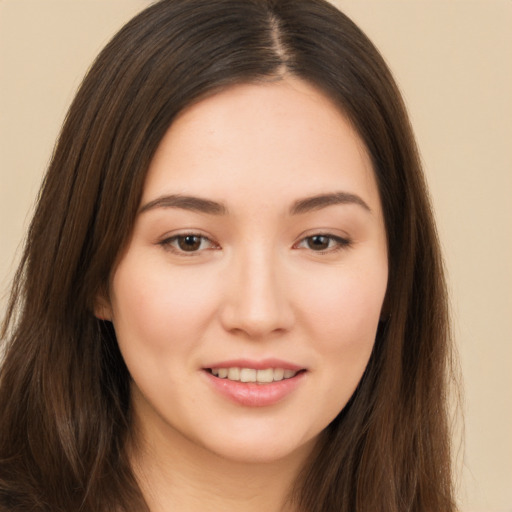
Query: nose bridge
x,y
257,302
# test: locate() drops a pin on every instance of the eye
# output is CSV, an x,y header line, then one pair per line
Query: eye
x,y
323,243
188,243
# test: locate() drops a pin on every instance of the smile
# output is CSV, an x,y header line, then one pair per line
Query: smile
x,y
248,391
260,376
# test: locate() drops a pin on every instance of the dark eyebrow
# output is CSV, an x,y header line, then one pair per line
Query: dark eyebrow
x,y
192,203
318,202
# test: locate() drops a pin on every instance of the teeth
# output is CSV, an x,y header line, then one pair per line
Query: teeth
x,y
251,375
289,373
234,373
247,375
278,374
265,375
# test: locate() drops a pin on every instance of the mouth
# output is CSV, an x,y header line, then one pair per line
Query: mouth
x,y
252,375
255,382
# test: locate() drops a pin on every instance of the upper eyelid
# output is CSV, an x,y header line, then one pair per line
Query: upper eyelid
x,y
330,233
344,240
185,232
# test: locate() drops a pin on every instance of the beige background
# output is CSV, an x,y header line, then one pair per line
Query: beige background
x,y
453,61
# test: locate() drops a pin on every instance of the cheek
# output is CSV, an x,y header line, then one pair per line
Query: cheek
x,y
160,311
342,312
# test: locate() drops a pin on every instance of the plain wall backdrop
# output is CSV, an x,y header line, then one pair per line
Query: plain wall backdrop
x,y
453,62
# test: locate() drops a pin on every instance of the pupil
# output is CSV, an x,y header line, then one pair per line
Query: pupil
x,y
318,242
189,242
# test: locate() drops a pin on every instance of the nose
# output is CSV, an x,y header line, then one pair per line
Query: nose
x,y
257,299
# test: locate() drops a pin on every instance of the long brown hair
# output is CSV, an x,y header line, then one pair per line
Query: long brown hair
x,y
64,388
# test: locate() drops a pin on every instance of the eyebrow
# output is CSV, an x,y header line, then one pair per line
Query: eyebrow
x,y
191,203
318,202
210,207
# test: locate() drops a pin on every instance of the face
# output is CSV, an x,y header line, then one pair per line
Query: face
x,y
247,300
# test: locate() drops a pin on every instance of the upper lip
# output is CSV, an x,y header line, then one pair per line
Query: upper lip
x,y
260,364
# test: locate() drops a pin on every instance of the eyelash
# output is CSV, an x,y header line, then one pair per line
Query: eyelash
x,y
168,244
338,243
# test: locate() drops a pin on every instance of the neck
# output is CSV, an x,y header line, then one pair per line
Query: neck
x,y
174,473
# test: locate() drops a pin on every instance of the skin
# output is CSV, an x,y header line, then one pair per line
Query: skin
x,y
255,286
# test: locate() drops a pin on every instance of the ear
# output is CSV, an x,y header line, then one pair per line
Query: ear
x,y
102,307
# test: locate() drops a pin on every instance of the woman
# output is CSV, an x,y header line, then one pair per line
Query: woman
x,y
231,293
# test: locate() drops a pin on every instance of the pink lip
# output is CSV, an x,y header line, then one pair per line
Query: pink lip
x,y
257,365
252,394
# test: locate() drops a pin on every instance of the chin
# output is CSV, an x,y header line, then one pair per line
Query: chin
x,y
260,449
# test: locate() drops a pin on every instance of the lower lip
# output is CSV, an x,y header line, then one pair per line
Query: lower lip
x,y
251,394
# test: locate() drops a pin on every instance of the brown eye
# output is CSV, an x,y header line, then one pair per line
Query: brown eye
x,y
318,242
324,243
189,243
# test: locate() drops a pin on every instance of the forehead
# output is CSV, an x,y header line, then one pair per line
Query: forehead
x,y
282,138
